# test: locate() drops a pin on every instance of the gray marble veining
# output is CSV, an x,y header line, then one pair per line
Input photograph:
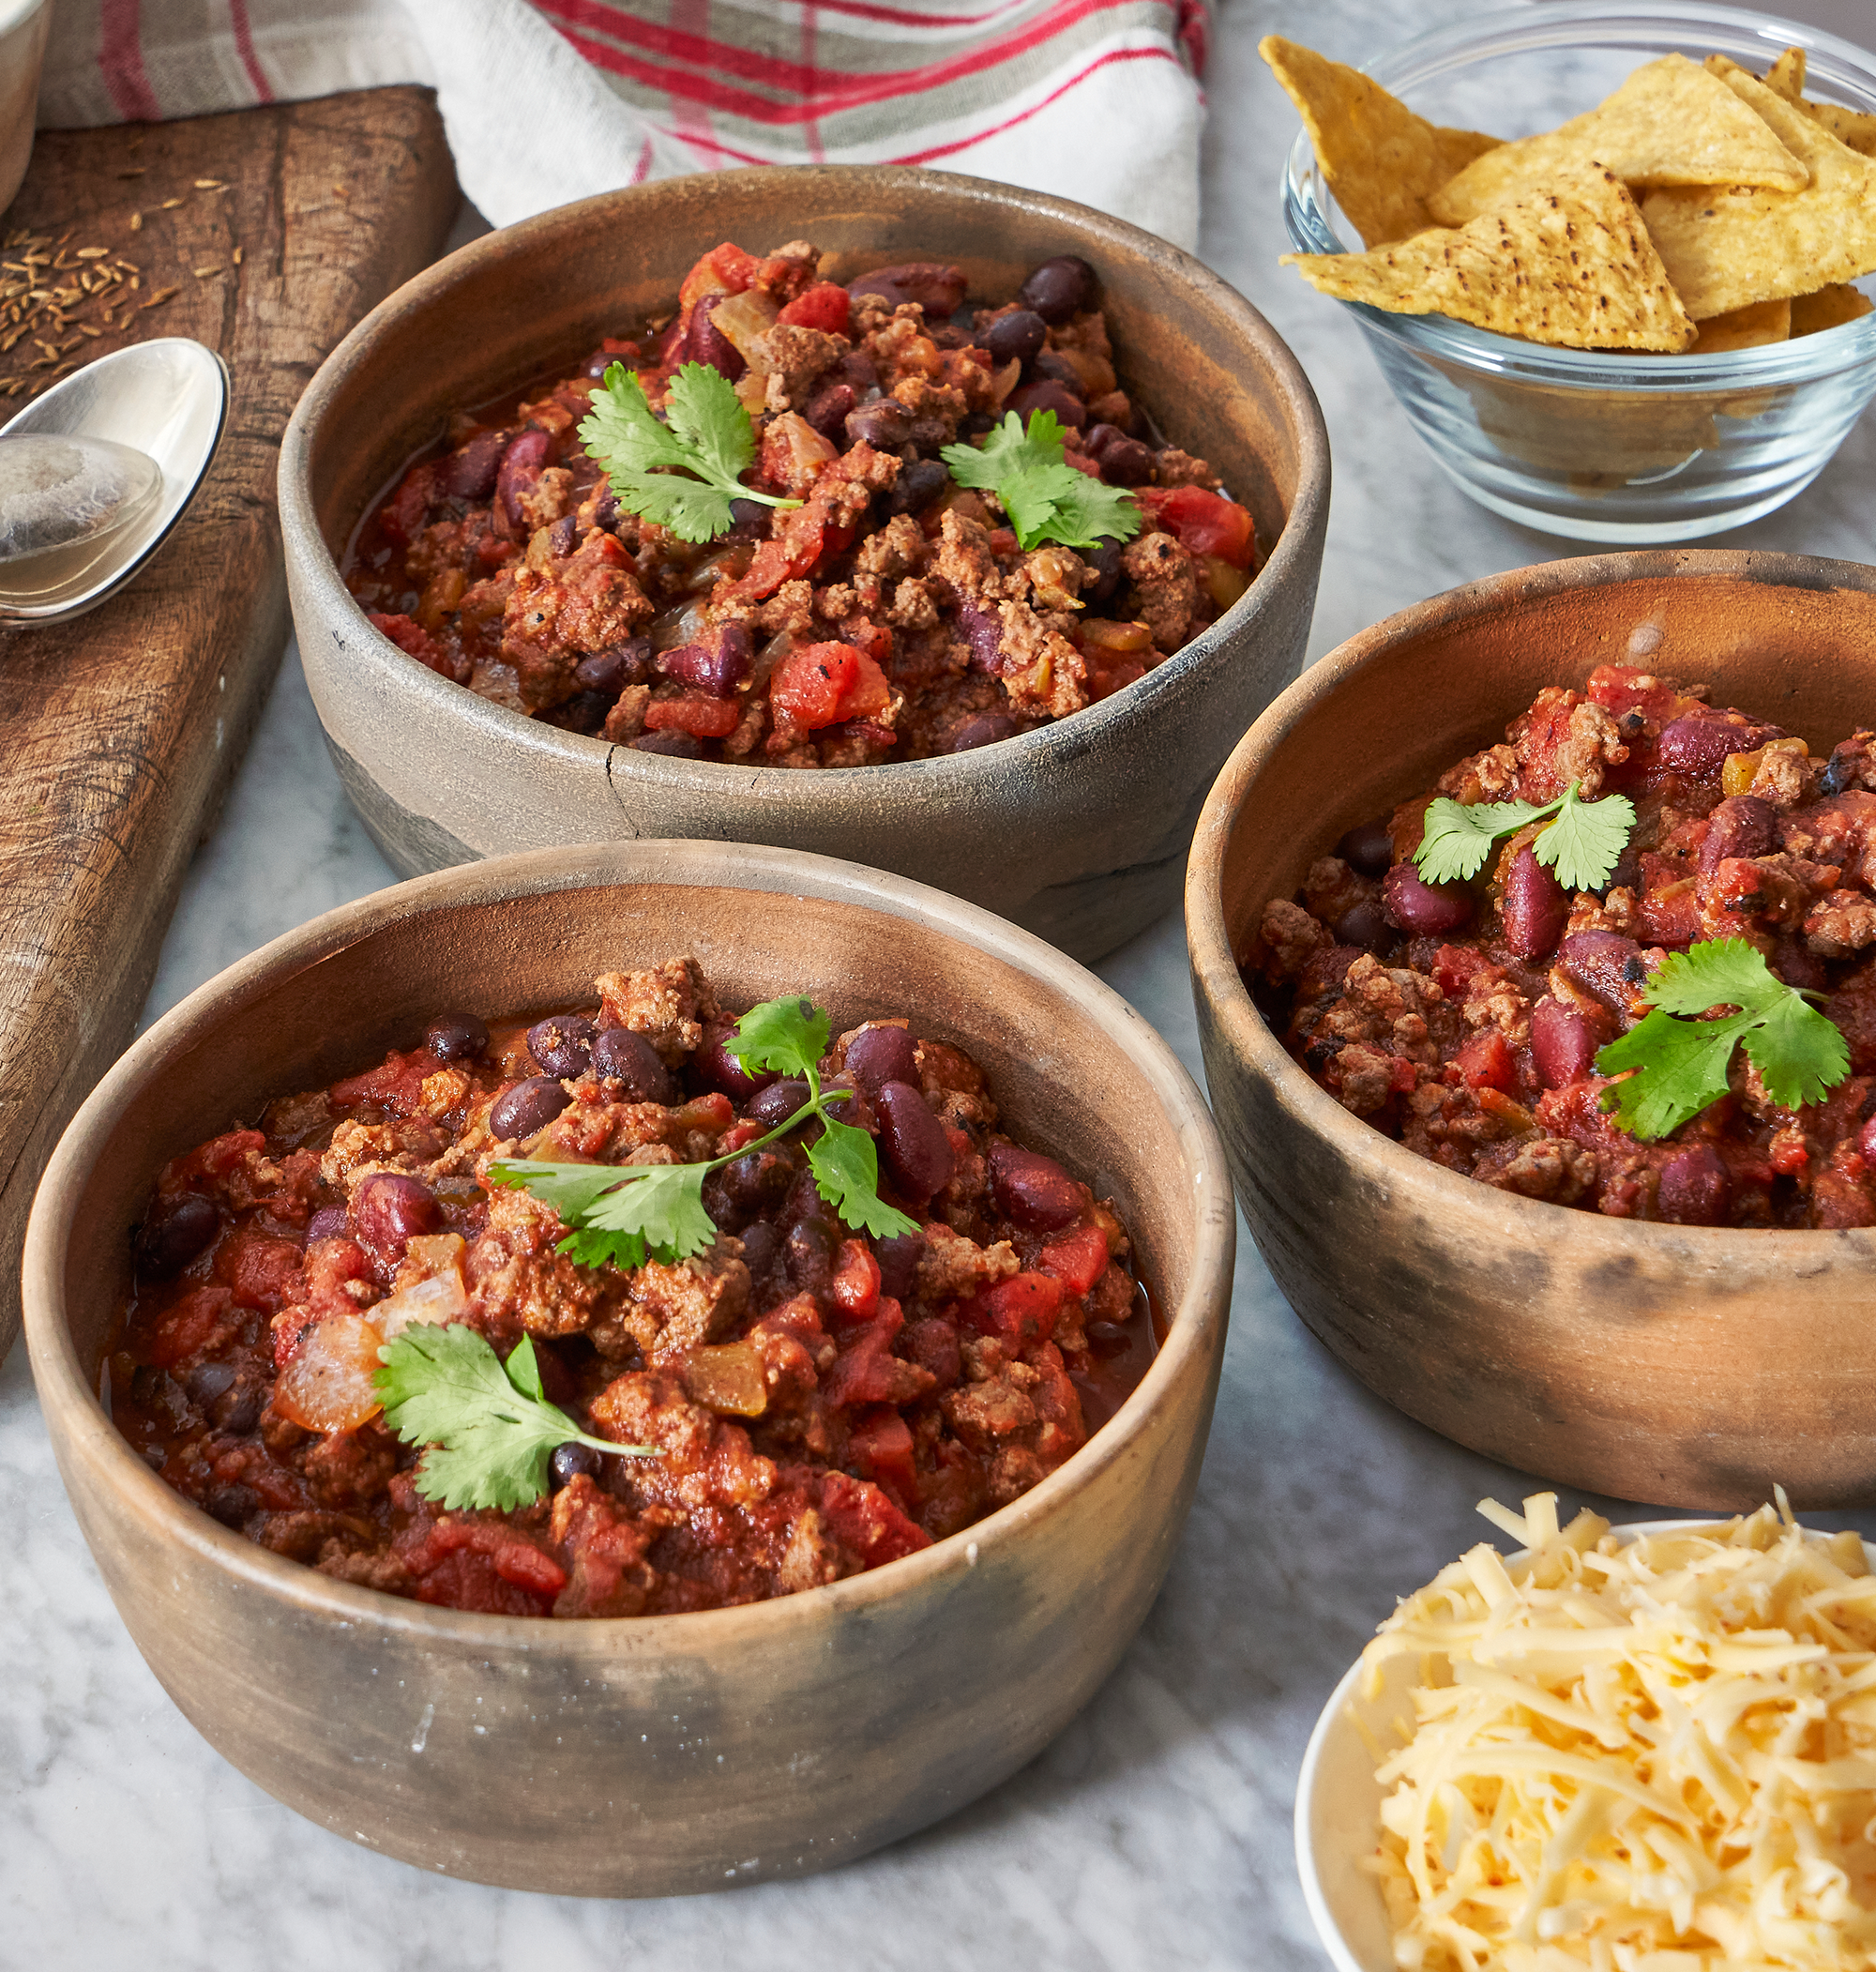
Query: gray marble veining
x,y
1156,1832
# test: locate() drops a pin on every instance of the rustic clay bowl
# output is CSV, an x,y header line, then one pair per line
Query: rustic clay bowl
x,y
640,1758
1077,831
1691,1366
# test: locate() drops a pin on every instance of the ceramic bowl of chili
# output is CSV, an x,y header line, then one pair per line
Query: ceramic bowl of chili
x,y
1102,802
649,1755
1691,1365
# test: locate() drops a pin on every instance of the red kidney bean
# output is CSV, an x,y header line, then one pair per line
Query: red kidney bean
x,y
1059,288
917,1151
774,1105
326,1223
717,1068
610,671
983,631
176,1232
1605,963
1015,338
1740,825
1368,849
1534,907
877,1055
522,466
917,485
936,287
1695,1187
885,424
829,407
1046,394
470,471
678,744
1364,924
1424,909
389,1209
1562,1043
717,666
1032,1189
621,1054
984,730
1698,742
707,343
897,1260
529,1106
856,368
562,1044
1796,965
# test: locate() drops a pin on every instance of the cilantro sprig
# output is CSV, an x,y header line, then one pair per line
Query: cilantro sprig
x,y
626,1214
1583,844
1045,497
489,1427
681,473
1681,1060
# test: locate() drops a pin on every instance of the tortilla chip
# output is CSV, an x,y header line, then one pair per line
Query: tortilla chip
x,y
1829,308
1380,159
1786,78
1572,267
1670,122
1744,328
1727,246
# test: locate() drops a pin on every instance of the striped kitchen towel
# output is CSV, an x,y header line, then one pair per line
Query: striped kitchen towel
x,y
1097,100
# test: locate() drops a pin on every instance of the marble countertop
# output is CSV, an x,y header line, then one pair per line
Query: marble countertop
x,y
1156,1829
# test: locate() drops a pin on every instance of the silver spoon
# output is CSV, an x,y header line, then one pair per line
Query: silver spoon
x,y
94,474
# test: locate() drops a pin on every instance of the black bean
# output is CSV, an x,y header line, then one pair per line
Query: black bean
x,y
470,470
1057,369
716,1067
897,1260
680,746
1032,1189
917,1151
717,666
456,1037
570,1461
976,425
154,1457
750,521
1104,559
1048,395
390,1207
985,730
231,1505
856,368
606,514
529,1106
1107,1338
761,1243
564,536
327,1223
807,1254
1368,850
707,343
877,1055
610,671
237,1412
885,424
207,1381
176,1232
773,1106
1059,288
1123,461
620,1055
757,1178
918,485
585,712
829,407
562,1044
1365,924
1015,338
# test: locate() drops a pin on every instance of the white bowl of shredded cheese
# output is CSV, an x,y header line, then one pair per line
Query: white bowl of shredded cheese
x,y
1640,1748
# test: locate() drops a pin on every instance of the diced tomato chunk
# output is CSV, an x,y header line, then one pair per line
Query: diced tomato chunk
x,y
1485,1061
1206,523
398,1084
879,1442
862,1519
527,1567
810,682
1078,1259
724,271
412,639
856,1285
260,1272
824,306
199,1321
1022,1310
695,712
1454,964
405,513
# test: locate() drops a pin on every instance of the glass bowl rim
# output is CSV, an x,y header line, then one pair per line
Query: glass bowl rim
x,y
1565,24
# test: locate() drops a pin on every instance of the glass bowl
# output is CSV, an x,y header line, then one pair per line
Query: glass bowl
x,y
1593,445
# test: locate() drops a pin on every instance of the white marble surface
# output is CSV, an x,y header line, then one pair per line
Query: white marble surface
x,y
1156,1830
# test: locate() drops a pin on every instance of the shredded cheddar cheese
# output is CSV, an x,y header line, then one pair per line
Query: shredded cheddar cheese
x,y
1651,1757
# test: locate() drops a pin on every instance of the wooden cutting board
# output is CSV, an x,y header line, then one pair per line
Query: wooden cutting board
x,y
265,234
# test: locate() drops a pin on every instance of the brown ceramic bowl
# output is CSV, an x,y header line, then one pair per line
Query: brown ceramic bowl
x,y
1691,1366
1077,831
640,1758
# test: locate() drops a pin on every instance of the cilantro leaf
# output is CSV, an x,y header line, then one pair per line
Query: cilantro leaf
x,y
789,1036
1584,844
1045,498
490,1430
682,474
1682,1063
846,1174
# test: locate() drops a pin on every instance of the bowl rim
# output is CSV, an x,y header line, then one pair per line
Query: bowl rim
x,y
1329,1720
947,774
1563,23
74,1413
1255,1050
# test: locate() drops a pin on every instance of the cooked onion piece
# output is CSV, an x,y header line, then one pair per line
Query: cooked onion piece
x,y
1651,1757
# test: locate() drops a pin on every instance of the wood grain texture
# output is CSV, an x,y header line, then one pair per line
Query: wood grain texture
x,y
119,732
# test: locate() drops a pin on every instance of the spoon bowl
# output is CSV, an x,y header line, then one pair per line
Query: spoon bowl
x,y
167,399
